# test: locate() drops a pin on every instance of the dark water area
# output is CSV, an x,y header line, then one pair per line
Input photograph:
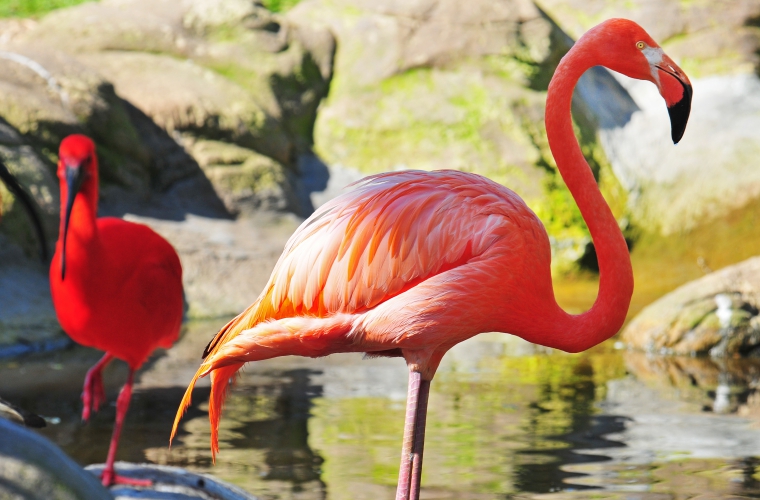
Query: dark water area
x,y
506,420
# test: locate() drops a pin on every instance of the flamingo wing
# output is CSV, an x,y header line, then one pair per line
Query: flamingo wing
x,y
389,233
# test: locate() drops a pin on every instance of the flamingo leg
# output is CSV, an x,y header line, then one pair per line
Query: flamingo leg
x,y
414,438
92,393
109,476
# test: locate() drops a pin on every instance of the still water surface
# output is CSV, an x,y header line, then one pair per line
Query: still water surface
x,y
507,420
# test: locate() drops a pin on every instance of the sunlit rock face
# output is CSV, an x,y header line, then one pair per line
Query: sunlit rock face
x,y
715,315
444,84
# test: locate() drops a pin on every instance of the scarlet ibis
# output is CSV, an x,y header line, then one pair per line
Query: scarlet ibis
x,y
116,285
411,263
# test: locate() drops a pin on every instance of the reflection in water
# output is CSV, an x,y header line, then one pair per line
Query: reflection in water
x,y
574,401
506,421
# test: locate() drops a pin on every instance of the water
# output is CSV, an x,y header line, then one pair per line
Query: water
x,y
506,421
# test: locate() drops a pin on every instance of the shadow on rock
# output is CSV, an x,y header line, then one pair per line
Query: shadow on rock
x,y
178,183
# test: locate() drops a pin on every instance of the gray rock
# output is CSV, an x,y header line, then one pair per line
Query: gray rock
x,y
171,483
27,319
200,70
31,467
717,314
709,173
711,37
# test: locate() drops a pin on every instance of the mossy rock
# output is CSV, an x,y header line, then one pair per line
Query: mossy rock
x,y
244,180
438,93
715,315
707,38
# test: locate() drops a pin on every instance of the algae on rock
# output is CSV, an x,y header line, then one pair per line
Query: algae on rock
x,y
440,86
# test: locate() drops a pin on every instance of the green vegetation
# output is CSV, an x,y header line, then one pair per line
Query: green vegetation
x,y
33,8
280,5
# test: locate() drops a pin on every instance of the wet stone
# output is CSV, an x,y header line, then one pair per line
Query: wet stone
x,y
171,483
715,315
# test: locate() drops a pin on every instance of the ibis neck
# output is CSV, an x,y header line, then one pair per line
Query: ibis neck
x,y
82,225
606,316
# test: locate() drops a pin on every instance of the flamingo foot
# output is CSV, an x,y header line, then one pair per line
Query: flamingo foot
x,y
93,394
109,477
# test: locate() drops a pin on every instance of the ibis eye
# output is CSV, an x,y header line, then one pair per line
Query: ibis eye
x,y
640,45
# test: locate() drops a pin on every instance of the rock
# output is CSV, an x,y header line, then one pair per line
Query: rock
x,y
716,315
31,467
436,84
709,37
181,96
82,102
171,483
207,70
245,180
27,319
33,174
709,174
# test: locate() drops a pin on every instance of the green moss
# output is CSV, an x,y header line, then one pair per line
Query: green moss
x,y
394,130
33,8
280,5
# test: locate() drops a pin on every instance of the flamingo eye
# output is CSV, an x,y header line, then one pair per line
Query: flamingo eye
x,y
641,45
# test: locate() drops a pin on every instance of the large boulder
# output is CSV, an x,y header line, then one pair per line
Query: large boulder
x,y
442,84
202,70
715,315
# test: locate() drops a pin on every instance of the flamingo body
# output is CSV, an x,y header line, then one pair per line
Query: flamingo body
x,y
411,263
116,285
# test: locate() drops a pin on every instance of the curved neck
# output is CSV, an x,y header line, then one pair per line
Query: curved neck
x,y
607,315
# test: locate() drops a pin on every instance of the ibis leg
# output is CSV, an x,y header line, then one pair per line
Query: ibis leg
x,y
109,476
92,393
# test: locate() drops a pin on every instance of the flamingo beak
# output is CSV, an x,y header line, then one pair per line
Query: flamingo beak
x,y
74,178
675,88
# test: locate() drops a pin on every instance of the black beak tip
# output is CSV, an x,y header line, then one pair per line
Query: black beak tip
x,y
679,115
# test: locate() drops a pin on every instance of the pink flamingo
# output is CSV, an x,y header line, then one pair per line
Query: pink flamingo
x,y
116,285
411,263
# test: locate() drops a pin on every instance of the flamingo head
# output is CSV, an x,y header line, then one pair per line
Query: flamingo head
x,y
623,46
77,172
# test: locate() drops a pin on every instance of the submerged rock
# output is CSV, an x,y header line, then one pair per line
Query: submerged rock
x,y
715,315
